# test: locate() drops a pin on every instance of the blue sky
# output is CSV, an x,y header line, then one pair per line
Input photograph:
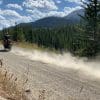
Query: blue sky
x,y
20,11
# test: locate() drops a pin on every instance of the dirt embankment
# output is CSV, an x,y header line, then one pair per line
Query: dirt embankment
x,y
8,87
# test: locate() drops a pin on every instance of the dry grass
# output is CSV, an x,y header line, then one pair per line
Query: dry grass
x,y
8,86
34,46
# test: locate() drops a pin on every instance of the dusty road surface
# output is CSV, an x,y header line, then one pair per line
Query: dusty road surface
x,y
2,98
51,82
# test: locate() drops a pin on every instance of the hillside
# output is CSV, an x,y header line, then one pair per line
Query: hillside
x,y
72,18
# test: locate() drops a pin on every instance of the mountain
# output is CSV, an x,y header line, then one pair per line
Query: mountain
x,y
72,18
50,22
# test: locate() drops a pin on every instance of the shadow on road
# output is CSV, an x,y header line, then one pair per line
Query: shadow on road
x,y
3,50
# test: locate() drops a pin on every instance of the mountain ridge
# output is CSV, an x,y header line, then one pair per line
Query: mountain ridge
x,y
52,21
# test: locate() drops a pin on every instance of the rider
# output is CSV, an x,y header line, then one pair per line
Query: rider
x,y
6,37
7,40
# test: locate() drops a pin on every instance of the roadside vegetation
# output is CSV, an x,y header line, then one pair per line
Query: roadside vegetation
x,y
8,86
82,39
31,46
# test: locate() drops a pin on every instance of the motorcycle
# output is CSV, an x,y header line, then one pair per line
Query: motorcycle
x,y
7,42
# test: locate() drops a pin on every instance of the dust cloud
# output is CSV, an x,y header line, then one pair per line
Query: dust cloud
x,y
65,60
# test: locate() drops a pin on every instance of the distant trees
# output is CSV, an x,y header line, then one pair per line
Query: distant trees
x,y
59,38
71,38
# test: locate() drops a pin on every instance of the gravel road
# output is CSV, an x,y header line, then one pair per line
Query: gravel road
x,y
2,98
51,82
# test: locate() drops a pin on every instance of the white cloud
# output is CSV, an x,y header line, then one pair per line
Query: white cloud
x,y
9,17
25,19
75,1
71,9
37,14
47,4
56,13
4,23
16,6
9,13
65,12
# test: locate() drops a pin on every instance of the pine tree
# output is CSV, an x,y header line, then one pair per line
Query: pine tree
x,y
92,9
